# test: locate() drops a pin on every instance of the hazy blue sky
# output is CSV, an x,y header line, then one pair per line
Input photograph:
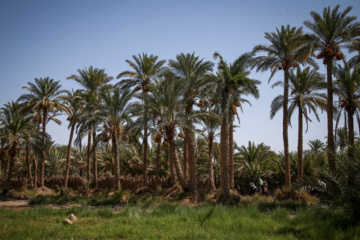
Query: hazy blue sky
x,y
55,38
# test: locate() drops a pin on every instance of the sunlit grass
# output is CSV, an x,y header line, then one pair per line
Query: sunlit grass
x,y
175,221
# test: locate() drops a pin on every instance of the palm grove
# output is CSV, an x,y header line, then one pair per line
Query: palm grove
x,y
159,123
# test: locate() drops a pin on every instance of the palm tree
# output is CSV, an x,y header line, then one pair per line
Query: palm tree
x,y
166,101
116,109
305,96
331,32
354,46
72,107
252,161
316,146
346,87
231,85
45,95
15,126
145,68
286,51
211,124
194,72
92,80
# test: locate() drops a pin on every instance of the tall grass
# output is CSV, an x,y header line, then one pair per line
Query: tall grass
x,y
174,221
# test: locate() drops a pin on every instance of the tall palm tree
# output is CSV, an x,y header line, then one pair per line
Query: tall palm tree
x,y
330,32
116,109
144,69
286,51
72,107
347,88
166,101
231,85
305,96
15,126
194,72
92,80
45,95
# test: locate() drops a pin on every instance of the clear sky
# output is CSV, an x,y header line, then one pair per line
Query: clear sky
x,y
55,38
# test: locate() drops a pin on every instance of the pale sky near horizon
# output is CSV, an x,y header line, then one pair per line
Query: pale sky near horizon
x,y
55,38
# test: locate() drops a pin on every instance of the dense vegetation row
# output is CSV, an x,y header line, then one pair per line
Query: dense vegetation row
x,y
182,107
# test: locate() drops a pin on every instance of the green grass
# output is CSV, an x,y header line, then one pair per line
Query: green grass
x,y
174,221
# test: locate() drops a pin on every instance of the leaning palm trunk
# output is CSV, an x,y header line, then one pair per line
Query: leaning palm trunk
x,y
116,163
42,166
231,154
224,164
88,166
95,180
170,131
285,130
300,147
192,167
68,156
211,173
330,113
7,167
27,154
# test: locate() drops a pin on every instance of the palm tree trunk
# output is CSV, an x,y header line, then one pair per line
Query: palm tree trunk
x,y
192,167
186,154
88,167
351,133
170,131
27,156
68,155
35,172
285,130
95,180
145,156
11,167
172,169
224,164
300,147
116,163
331,144
7,167
211,173
42,167
157,163
231,153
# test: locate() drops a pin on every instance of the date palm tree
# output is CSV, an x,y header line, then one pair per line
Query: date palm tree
x,y
166,101
354,46
194,72
116,109
285,52
211,124
331,31
304,96
232,84
14,126
72,107
44,95
347,88
92,80
144,69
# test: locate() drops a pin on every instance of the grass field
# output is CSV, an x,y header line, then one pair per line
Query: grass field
x,y
262,220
